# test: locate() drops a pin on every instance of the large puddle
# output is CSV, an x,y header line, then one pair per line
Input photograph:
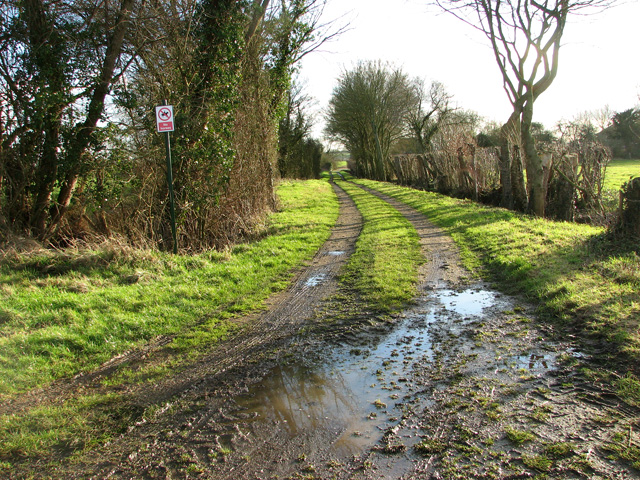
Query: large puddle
x,y
357,391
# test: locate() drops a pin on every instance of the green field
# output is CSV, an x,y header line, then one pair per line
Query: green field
x,y
619,171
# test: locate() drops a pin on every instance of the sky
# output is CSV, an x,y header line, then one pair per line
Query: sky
x,y
599,61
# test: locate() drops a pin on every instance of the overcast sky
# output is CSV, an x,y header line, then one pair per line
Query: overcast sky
x,y
599,60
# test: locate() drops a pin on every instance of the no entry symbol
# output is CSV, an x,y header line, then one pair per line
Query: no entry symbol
x,y
164,118
165,114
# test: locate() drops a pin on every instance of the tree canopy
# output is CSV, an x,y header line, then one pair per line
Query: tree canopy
x,y
79,81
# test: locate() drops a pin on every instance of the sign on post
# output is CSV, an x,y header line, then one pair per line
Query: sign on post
x,y
164,122
164,118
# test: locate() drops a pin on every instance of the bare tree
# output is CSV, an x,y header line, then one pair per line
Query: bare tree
x,y
367,113
291,30
429,119
430,113
525,36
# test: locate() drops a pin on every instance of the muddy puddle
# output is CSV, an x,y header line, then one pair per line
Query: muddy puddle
x,y
357,390
315,280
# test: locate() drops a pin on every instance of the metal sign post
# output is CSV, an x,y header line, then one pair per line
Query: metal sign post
x,y
164,123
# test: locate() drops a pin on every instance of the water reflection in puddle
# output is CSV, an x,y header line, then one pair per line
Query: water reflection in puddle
x,y
353,391
467,302
315,280
356,391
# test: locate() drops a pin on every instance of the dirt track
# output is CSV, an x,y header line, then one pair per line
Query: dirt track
x,y
464,384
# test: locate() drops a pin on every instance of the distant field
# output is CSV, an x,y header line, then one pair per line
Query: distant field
x,y
620,171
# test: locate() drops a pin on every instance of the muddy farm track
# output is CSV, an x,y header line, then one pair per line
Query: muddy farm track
x,y
465,383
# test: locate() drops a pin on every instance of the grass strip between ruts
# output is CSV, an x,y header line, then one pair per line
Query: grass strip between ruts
x,y
384,268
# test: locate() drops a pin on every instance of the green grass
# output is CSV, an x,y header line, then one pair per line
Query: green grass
x,y
384,267
77,424
559,449
537,462
61,314
572,271
620,171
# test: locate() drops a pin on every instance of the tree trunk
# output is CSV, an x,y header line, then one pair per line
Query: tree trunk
x,y
504,157
509,171
533,163
379,157
432,166
96,107
474,172
259,9
464,178
46,176
44,42
518,188
427,174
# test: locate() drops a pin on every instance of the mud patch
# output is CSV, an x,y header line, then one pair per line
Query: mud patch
x,y
498,398
354,401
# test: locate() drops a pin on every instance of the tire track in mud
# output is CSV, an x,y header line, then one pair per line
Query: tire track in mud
x,y
274,451
210,385
271,451
490,379
486,375
286,312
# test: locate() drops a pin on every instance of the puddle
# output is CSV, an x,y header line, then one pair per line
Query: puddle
x,y
353,391
315,280
336,253
468,302
357,391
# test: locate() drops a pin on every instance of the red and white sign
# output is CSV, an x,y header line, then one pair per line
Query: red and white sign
x,y
164,118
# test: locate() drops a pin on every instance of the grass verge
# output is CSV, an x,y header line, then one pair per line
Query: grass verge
x,y
62,313
384,267
573,271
